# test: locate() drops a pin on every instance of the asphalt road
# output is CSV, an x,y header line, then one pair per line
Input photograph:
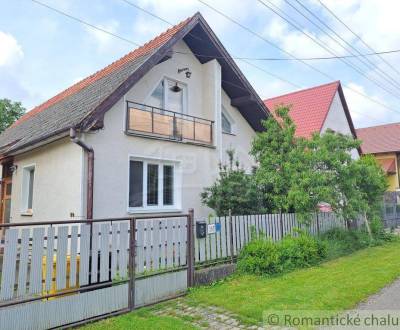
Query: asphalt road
x,y
386,299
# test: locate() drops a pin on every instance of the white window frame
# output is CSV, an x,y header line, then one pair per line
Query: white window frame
x,y
231,121
177,186
165,105
25,188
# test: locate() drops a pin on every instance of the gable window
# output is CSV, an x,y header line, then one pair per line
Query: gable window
x,y
226,122
169,95
152,185
28,177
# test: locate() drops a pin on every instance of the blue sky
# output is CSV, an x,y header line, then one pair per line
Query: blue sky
x,y
42,52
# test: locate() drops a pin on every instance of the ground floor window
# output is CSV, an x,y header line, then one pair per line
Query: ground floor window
x,y
152,184
28,176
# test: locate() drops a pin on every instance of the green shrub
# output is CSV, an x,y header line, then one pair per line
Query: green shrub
x,y
264,257
341,242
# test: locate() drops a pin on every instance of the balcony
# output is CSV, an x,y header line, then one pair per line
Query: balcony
x,y
145,120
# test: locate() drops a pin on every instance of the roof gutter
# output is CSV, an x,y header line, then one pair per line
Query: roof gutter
x,y
90,171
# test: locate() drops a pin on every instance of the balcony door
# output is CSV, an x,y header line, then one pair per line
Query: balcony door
x,y
170,95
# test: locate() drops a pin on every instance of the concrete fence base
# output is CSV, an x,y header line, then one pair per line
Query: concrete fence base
x,y
212,274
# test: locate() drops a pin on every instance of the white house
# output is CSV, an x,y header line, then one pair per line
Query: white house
x,y
143,135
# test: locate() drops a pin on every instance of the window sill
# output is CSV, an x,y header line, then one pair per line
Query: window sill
x,y
26,214
155,211
226,133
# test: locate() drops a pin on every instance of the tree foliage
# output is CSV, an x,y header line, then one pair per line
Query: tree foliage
x,y
9,113
233,190
300,173
278,154
295,174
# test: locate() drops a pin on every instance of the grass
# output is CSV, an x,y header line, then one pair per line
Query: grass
x,y
142,319
335,285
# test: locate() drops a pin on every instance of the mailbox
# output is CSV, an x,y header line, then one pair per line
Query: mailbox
x,y
201,229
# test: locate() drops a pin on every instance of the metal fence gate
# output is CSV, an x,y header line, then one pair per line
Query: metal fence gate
x,y
68,272
163,258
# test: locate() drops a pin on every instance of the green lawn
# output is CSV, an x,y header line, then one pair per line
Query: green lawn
x,y
335,285
141,319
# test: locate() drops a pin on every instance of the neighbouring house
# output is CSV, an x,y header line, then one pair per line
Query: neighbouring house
x,y
143,135
383,142
317,109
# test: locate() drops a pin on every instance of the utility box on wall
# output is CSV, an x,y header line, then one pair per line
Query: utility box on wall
x,y
201,229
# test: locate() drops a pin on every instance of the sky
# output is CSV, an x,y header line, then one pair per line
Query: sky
x,y
43,52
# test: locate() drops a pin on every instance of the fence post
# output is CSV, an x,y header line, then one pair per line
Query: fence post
x,y
90,223
316,213
190,248
132,253
281,222
231,234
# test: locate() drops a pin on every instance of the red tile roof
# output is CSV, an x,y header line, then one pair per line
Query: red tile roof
x,y
388,165
309,107
377,139
138,52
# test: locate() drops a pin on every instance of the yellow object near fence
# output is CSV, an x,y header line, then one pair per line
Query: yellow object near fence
x,y
53,288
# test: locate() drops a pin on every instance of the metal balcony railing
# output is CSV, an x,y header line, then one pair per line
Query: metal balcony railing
x,y
151,121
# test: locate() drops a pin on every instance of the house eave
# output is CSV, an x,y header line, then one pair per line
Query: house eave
x,y
32,145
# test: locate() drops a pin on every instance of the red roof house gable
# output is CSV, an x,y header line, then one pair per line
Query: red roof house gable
x,y
138,52
379,139
309,107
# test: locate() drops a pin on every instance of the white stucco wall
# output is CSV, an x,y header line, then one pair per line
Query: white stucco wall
x,y
57,188
197,165
241,138
337,121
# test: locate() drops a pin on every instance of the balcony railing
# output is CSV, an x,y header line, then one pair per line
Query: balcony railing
x,y
151,121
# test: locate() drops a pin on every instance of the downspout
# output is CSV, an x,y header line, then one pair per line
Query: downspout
x,y
90,170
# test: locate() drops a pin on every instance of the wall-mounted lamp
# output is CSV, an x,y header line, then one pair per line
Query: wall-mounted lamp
x,y
175,88
188,73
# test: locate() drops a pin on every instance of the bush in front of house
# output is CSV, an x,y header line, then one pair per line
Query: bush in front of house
x,y
341,241
264,257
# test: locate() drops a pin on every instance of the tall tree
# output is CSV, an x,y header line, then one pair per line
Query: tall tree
x,y
278,155
9,112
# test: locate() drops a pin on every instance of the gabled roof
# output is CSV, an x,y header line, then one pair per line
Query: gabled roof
x,y
378,139
310,107
84,104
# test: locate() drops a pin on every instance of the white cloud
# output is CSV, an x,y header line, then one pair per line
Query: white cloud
x,y
376,21
175,11
10,50
298,43
103,40
365,112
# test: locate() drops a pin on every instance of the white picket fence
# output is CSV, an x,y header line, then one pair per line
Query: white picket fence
x,y
57,274
233,233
